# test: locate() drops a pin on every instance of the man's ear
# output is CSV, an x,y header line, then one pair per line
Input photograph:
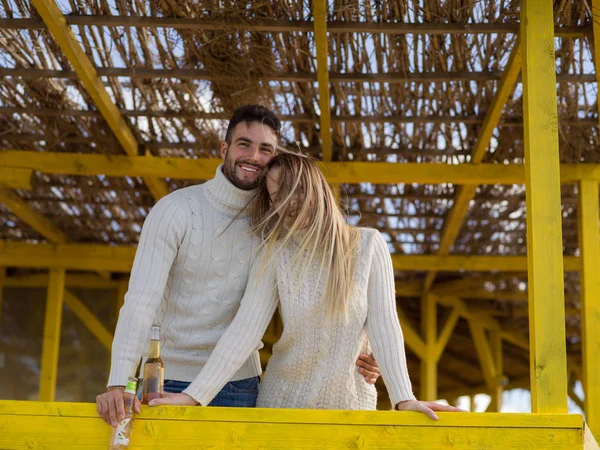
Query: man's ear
x,y
223,150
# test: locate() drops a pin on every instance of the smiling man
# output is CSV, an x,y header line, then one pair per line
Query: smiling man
x,y
191,269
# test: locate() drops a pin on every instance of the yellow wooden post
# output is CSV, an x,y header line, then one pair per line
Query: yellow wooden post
x,y
429,362
589,245
496,391
54,307
548,361
2,278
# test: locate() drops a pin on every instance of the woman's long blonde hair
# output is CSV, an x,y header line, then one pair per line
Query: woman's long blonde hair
x,y
305,210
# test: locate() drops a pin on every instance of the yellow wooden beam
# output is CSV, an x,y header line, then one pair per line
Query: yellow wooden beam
x,y
15,178
465,194
484,354
86,72
81,281
463,284
35,220
544,219
412,338
89,319
446,332
428,370
497,353
52,323
2,285
335,172
589,245
174,427
409,289
321,47
99,257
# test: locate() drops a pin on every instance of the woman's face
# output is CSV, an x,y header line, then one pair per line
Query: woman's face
x,y
273,176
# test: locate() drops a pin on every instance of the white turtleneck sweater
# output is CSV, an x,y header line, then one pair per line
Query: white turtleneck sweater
x,y
189,275
313,363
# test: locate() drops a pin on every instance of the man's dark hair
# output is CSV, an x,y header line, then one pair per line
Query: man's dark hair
x,y
252,113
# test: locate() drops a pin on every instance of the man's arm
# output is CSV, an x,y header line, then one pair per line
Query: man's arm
x,y
160,239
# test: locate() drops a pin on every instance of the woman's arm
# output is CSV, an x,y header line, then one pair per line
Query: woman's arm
x,y
383,327
243,335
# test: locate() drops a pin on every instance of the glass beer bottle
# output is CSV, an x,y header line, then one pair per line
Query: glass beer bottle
x,y
119,439
154,370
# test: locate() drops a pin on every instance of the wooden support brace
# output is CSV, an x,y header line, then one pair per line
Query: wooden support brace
x,y
484,353
446,332
89,319
429,362
52,324
411,337
15,178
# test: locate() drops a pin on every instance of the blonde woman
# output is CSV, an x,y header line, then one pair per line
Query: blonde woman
x,y
334,286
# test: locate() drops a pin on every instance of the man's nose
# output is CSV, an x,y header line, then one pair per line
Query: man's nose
x,y
253,153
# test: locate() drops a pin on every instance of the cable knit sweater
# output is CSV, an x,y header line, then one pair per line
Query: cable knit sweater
x,y
189,275
313,363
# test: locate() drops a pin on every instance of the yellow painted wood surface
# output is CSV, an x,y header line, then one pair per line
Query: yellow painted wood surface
x,y
88,319
84,281
72,425
321,48
336,172
548,361
428,370
34,219
589,237
93,257
86,72
496,390
412,338
51,342
2,284
15,178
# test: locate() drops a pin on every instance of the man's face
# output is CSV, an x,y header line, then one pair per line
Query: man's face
x,y
252,148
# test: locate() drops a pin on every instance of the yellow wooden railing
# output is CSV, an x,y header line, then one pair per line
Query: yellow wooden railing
x,y
41,425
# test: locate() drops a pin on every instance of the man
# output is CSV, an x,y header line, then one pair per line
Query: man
x,y
191,269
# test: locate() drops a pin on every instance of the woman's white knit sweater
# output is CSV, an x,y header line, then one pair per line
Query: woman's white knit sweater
x,y
189,275
314,363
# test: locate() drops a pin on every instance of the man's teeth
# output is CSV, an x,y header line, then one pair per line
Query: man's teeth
x,y
249,169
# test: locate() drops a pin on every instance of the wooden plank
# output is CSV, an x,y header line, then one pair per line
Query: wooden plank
x,y
27,214
2,285
15,178
290,26
497,390
484,354
306,416
336,172
446,332
81,281
297,77
412,338
51,342
60,30
428,370
89,319
548,363
321,43
94,257
589,245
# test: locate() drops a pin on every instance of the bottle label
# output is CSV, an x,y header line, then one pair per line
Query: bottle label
x,y
121,433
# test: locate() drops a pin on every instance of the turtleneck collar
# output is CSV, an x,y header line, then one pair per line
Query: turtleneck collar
x,y
226,197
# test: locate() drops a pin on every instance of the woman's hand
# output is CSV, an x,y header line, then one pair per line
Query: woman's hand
x,y
426,408
174,399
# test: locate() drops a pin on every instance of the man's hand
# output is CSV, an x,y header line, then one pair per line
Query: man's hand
x,y
174,399
426,408
368,368
111,407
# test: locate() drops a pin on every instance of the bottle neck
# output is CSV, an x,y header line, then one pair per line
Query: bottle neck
x,y
154,349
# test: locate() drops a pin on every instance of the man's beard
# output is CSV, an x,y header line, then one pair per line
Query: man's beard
x,y
231,174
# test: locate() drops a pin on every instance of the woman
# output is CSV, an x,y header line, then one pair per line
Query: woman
x,y
334,285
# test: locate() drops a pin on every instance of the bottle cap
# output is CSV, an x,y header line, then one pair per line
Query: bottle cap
x,y
155,332
131,387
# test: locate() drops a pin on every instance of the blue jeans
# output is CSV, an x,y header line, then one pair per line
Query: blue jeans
x,y
241,393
